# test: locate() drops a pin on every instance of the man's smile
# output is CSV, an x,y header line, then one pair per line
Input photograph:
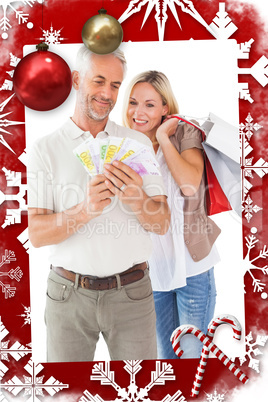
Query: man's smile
x,y
103,102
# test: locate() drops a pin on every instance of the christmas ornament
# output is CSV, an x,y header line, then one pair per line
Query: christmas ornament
x,y
42,80
102,34
192,329
212,326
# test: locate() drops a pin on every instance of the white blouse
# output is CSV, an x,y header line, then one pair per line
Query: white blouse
x,y
171,262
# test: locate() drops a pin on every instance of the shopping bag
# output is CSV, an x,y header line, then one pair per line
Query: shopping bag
x,y
222,167
222,149
222,136
225,194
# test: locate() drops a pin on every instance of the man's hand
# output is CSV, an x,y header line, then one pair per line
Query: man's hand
x,y
47,227
152,212
124,182
98,196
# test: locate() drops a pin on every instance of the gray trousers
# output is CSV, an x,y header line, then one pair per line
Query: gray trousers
x,y
75,317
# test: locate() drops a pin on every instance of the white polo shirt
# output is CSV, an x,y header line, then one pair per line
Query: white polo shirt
x,y
108,244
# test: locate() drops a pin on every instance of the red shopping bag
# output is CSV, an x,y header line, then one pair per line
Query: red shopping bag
x,y
216,200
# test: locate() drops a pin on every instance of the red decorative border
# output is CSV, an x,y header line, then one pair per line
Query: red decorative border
x,y
15,333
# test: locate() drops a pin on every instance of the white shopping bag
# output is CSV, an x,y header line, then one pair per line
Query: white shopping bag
x,y
222,136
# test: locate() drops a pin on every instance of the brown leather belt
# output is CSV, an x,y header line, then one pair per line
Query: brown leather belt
x,y
131,275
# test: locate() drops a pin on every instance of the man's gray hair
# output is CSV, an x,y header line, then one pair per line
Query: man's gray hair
x,y
83,60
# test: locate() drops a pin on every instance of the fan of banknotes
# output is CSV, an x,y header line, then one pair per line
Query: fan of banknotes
x,y
94,153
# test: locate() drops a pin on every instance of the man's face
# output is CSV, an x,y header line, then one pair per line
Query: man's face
x,y
98,89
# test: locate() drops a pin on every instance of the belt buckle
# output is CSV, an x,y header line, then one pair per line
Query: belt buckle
x,y
83,281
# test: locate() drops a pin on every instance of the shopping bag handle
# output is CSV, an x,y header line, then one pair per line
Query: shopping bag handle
x,y
189,122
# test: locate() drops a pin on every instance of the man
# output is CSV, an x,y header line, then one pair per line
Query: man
x,y
97,229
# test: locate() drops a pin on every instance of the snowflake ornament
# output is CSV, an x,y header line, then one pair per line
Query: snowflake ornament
x,y
9,291
23,158
33,385
243,54
249,127
6,123
248,166
253,350
244,93
259,71
244,49
215,397
163,372
14,179
21,16
8,84
25,241
26,315
222,25
221,28
161,7
248,264
248,208
52,36
16,351
7,258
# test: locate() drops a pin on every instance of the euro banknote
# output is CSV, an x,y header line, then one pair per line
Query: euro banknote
x,y
94,153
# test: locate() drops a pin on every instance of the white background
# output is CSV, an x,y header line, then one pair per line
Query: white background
x,y
204,79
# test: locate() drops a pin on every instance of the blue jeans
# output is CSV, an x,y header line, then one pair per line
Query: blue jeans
x,y
192,304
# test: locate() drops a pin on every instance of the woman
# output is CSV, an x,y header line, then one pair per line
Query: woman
x,y
181,266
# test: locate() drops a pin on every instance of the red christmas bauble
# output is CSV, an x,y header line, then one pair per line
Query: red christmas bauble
x,y
42,80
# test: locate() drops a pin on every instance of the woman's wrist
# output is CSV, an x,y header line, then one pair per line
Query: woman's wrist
x,y
162,138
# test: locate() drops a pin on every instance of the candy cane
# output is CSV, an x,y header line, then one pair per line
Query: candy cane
x,y
191,329
213,325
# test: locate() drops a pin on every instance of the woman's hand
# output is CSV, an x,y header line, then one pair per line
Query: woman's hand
x,y
187,167
167,128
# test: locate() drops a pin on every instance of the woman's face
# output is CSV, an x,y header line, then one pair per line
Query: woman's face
x,y
145,109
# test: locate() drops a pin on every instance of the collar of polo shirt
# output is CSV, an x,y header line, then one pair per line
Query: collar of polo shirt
x,y
75,132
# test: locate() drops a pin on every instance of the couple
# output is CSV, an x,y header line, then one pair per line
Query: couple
x,y
101,284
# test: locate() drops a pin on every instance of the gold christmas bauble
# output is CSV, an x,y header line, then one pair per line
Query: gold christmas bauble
x,y
102,34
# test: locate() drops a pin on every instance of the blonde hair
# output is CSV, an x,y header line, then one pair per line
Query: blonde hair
x,y
160,83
